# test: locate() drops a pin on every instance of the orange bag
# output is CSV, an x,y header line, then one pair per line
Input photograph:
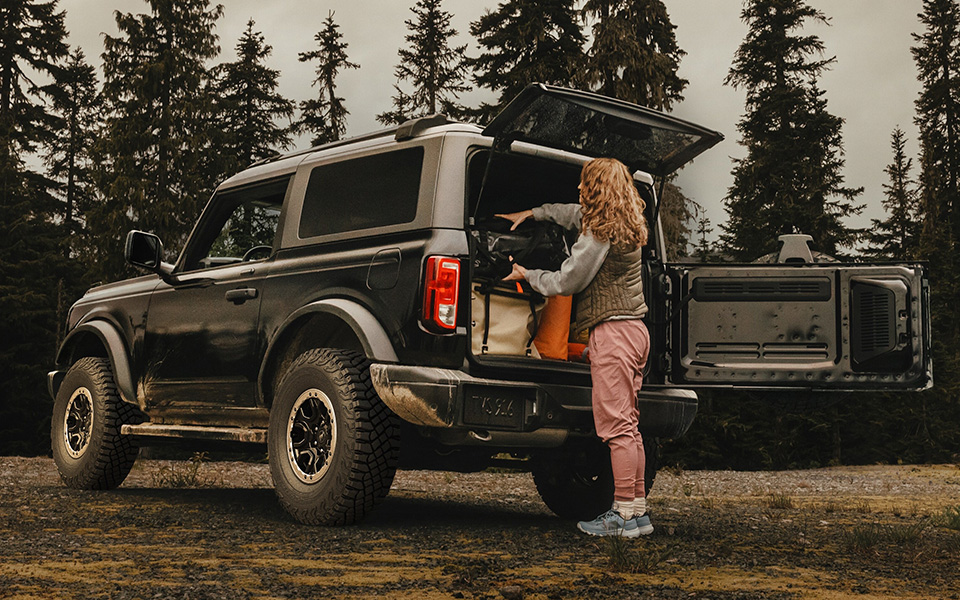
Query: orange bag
x,y
554,328
575,352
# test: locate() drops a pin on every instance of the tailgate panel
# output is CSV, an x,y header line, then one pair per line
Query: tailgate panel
x,y
829,326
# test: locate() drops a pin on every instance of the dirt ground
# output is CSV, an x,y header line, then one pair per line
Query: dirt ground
x,y
862,532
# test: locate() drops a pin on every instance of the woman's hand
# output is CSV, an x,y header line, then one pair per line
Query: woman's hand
x,y
517,217
518,273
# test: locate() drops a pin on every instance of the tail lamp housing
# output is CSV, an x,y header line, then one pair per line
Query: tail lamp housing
x,y
441,290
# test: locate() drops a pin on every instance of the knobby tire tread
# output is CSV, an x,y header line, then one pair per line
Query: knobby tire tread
x,y
117,452
374,461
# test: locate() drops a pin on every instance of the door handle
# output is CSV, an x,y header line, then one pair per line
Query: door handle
x,y
241,295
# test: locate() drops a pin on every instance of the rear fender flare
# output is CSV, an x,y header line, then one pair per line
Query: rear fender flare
x,y
116,353
365,326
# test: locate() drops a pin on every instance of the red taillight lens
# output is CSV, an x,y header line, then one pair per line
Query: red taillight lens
x,y
440,291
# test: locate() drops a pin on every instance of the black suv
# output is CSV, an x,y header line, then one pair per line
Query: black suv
x,y
325,306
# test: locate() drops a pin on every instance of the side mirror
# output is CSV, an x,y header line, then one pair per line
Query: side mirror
x,y
144,250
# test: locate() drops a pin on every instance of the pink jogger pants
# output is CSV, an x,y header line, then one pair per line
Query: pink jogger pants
x,y
618,353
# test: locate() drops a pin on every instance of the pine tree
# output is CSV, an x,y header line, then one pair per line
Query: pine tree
x,y
159,155
675,217
938,63
31,261
791,179
77,103
436,70
896,237
937,56
32,42
704,248
326,116
634,55
250,105
526,41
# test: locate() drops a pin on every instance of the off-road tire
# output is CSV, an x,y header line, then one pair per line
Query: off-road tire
x,y
101,458
579,484
362,459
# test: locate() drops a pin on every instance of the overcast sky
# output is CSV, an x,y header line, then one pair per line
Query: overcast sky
x,y
872,86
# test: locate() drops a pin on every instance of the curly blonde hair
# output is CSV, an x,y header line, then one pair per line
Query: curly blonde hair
x,y
612,206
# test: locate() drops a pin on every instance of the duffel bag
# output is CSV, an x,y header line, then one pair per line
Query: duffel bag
x,y
534,245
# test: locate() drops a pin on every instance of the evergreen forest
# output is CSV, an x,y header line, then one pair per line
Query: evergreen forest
x,y
139,138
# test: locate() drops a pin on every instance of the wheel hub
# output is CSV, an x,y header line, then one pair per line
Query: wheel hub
x,y
78,422
311,435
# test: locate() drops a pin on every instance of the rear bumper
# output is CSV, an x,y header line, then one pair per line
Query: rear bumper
x,y
451,399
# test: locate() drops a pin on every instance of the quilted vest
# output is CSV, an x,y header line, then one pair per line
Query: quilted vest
x,y
616,291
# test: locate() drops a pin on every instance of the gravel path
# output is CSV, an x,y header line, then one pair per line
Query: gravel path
x,y
871,532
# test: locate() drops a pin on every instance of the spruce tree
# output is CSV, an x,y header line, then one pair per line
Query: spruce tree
x,y
326,116
159,155
77,103
937,56
791,179
31,261
675,217
250,107
436,70
897,236
526,41
704,248
634,55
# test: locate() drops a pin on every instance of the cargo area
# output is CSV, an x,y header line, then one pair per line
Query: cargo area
x,y
508,320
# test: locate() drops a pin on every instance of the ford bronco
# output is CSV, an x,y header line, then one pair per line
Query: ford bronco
x,y
323,308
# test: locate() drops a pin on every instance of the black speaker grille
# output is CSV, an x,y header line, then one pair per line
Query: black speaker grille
x,y
873,321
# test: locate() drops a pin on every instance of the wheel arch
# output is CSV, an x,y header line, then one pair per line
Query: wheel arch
x,y
101,339
329,323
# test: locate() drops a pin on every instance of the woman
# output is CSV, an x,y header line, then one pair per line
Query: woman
x,y
603,270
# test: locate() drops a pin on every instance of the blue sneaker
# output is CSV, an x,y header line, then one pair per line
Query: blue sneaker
x,y
644,526
611,523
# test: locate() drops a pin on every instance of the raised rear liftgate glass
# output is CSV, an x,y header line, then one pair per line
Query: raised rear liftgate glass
x,y
594,125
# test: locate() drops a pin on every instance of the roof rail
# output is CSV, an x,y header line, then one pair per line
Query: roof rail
x,y
408,130
414,127
359,138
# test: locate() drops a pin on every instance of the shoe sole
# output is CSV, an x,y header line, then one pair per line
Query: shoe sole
x,y
632,533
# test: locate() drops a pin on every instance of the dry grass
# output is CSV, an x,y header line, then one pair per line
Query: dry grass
x,y
780,501
950,518
183,474
625,555
873,537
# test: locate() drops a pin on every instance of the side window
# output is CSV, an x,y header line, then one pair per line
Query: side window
x,y
360,193
241,226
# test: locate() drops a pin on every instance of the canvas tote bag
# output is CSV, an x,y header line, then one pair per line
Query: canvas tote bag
x,y
504,321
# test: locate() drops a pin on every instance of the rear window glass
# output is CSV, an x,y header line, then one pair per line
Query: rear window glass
x,y
361,193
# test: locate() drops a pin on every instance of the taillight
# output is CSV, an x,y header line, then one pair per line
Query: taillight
x,y
440,291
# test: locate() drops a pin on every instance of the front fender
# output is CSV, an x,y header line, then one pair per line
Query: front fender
x,y
116,351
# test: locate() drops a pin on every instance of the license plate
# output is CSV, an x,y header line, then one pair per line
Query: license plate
x,y
495,407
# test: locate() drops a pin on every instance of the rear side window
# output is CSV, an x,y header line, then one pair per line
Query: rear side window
x,y
361,193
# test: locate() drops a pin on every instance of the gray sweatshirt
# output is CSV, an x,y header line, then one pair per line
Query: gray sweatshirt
x,y
586,255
